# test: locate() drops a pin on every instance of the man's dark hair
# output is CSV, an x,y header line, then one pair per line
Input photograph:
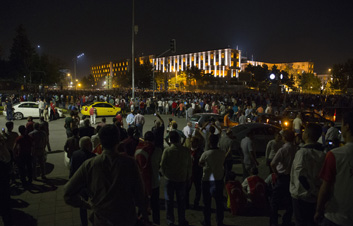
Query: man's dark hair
x,y
314,131
114,120
109,136
41,119
36,126
86,122
231,176
75,131
104,120
175,126
254,171
9,125
213,139
288,135
22,129
149,136
98,128
348,120
174,137
131,130
72,113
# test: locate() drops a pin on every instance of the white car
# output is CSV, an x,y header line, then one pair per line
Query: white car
x,y
28,108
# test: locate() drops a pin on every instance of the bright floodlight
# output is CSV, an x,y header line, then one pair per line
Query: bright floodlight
x,y
281,76
38,46
272,76
80,55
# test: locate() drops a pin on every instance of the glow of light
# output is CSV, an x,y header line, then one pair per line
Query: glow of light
x,y
281,76
76,80
80,55
272,76
38,46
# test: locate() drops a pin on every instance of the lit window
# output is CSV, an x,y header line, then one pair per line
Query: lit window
x,y
212,56
232,55
125,68
127,63
201,57
119,64
183,59
222,55
192,58
237,64
232,64
217,63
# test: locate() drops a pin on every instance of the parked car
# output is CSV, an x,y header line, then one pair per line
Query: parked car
x,y
263,133
335,114
200,118
29,108
103,109
307,117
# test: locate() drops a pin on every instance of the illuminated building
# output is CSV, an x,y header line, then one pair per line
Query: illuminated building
x,y
219,63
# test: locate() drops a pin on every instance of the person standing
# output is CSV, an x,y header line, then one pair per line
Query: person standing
x,y
176,168
297,124
77,159
45,112
272,147
68,124
212,162
23,155
158,131
226,144
41,107
335,200
139,121
281,165
130,119
72,143
304,177
9,111
87,129
93,115
249,160
5,198
39,156
112,202
45,125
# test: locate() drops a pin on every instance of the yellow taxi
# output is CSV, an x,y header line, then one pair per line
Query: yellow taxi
x,y
103,109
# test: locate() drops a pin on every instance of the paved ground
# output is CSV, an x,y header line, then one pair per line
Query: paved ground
x,y
43,204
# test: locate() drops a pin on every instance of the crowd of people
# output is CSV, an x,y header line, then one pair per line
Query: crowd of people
x,y
116,168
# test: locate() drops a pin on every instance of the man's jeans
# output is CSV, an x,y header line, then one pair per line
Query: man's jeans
x,y
178,188
303,212
281,193
213,189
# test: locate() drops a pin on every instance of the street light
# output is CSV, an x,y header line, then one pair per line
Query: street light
x,y
75,61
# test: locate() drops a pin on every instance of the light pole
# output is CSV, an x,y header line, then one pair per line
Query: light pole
x,y
133,50
75,62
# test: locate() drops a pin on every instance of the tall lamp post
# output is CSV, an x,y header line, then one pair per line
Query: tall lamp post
x,y
75,62
133,50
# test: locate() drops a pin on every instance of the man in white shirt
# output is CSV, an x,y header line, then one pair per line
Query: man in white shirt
x,y
242,118
160,106
187,130
332,133
139,121
41,107
249,154
212,180
207,107
297,124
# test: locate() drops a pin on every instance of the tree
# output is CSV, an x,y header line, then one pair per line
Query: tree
x,y
87,81
21,55
310,82
193,73
342,76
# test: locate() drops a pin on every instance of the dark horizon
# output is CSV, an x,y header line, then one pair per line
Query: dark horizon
x,y
274,32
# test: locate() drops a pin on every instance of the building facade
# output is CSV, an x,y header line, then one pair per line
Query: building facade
x,y
219,63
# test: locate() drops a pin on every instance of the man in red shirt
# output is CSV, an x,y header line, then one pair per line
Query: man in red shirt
x,y
174,107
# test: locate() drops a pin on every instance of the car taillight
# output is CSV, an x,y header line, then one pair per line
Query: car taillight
x,y
334,116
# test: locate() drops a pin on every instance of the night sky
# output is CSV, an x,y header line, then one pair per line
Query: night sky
x,y
271,31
